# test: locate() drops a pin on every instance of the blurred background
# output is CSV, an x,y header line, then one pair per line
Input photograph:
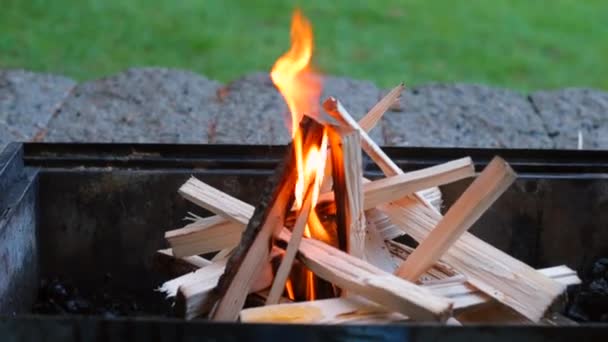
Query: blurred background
x,y
520,44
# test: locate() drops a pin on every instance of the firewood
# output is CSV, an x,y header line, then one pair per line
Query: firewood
x,y
191,290
352,309
357,309
496,273
278,285
398,186
430,196
207,235
259,298
210,273
375,114
440,270
375,251
361,278
216,232
267,220
216,201
347,175
335,109
385,227
467,209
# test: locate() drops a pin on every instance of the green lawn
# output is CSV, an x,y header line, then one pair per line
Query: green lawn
x,y
524,44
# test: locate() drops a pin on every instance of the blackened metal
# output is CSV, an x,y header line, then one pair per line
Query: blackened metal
x,y
18,243
232,158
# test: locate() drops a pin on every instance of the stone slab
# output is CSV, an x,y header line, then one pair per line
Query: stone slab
x,y
27,102
145,105
567,111
465,115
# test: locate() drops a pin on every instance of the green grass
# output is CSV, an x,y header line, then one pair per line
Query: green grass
x,y
523,44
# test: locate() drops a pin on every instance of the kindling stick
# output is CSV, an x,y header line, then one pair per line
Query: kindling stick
x,y
467,209
496,273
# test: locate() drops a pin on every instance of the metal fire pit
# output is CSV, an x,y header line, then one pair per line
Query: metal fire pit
x,y
88,210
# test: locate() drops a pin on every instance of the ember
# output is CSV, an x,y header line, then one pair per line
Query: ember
x,y
322,229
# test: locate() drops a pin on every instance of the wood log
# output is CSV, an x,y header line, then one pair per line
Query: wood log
x,y
352,309
193,289
345,149
439,271
499,275
496,273
396,187
278,285
357,309
217,232
267,220
467,209
216,201
432,195
375,250
361,278
206,235
374,115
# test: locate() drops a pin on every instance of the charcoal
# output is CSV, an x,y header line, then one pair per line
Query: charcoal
x,y
62,296
590,300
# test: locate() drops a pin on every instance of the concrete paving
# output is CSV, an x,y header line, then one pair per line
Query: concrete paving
x,y
177,106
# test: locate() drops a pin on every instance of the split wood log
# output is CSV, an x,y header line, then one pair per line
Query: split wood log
x,y
266,221
216,232
278,285
352,309
396,187
375,251
439,271
359,310
345,149
209,234
496,273
370,120
366,280
384,226
193,289
374,115
467,209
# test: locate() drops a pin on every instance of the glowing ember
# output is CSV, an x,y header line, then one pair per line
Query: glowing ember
x,y
301,87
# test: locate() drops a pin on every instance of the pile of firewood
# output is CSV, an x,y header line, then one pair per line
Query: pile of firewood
x,y
451,276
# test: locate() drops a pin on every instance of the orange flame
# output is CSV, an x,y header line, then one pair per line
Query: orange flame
x,y
301,87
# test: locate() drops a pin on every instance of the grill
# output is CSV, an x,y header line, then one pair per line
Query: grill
x,y
95,214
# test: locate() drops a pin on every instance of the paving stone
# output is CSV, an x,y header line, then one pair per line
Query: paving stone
x,y
465,115
567,111
27,102
139,105
252,112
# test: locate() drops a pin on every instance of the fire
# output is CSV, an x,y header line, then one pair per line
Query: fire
x,y
301,87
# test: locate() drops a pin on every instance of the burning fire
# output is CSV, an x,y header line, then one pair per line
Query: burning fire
x,y
301,87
